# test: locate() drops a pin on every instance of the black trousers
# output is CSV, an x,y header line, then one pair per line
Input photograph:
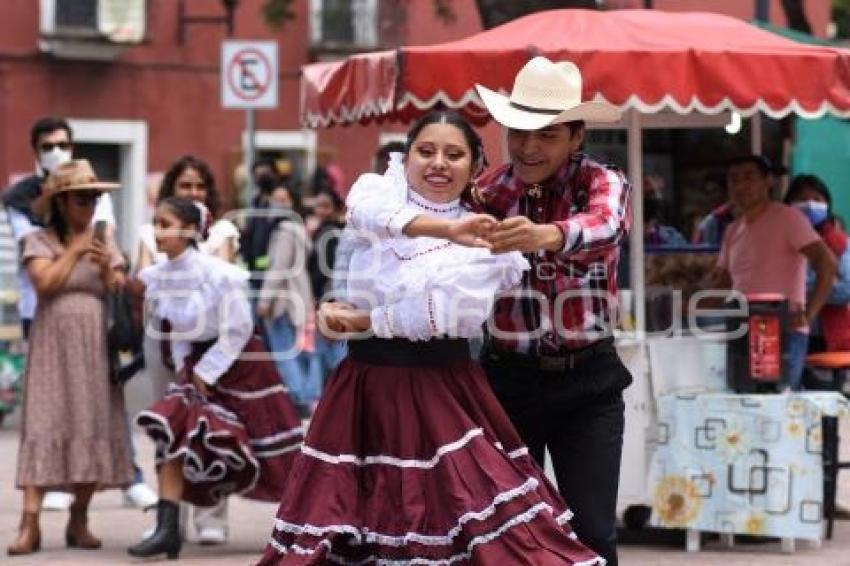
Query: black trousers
x,y
578,415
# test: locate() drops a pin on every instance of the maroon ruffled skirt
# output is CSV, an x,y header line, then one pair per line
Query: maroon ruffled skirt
x,y
417,465
241,439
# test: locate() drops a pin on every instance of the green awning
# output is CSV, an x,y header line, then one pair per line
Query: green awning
x,y
793,34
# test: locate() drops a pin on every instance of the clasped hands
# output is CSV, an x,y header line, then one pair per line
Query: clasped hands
x,y
478,230
85,244
517,233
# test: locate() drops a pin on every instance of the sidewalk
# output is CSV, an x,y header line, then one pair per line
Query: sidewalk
x,y
251,523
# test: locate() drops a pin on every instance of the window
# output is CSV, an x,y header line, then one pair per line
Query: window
x,y
101,21
344,23
76,15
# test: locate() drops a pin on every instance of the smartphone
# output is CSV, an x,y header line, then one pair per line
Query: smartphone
x,y
100,231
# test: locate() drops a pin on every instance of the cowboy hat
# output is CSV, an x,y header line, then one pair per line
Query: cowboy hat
x,y
545,93
75,175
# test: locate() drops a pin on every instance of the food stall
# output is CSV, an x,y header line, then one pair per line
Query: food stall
x,y
661,69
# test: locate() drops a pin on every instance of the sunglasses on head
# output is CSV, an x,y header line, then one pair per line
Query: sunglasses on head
x,y
48,146
84,198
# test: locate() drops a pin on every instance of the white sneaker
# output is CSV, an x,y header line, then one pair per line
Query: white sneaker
x,y
56,501
140,495
212,535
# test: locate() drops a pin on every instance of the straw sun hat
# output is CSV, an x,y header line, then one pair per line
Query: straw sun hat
x,y
75,175
545,93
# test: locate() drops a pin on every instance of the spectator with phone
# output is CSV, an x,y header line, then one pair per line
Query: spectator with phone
x,y
74,430
52,141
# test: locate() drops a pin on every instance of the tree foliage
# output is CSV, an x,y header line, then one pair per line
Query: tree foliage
x,y
278,12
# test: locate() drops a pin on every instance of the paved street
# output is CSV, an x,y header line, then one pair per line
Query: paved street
x,y
250,524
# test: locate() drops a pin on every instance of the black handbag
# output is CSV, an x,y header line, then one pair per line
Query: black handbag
x,y
121,336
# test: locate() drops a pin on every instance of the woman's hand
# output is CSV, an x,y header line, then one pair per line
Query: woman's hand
x,y
200,385
472,231
99,254
518,233
339,318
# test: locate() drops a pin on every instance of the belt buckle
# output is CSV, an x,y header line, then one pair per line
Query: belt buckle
x,y
553,363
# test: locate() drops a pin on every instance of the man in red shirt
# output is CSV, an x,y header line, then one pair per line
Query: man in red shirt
x,y
549,350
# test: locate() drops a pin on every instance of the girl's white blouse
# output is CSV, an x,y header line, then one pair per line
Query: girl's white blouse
x,y
419,288
204,298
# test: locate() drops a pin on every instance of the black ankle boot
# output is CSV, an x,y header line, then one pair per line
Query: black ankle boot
x,y
166,538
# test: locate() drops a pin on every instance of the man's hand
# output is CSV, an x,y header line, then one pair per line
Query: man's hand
x,y
472,231
800,319
518,233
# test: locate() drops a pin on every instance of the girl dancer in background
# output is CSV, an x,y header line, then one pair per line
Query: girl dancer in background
x,y
228,426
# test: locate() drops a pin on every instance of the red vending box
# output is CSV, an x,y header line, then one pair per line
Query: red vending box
x,y
756,360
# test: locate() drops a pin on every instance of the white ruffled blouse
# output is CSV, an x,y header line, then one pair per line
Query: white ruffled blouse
x,y
419,288
204,298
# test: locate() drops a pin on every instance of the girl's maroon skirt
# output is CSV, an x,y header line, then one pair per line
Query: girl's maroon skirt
x,y
417,464
241,439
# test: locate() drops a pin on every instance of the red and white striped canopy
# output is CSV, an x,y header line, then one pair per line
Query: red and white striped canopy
x,y
647,60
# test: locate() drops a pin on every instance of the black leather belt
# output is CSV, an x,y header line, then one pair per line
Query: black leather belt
x,y
399,352
550,362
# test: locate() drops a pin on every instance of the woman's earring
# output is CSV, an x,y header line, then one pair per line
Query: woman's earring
x,y
475,191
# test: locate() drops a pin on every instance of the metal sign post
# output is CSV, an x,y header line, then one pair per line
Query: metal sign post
x,y
250,153
249,80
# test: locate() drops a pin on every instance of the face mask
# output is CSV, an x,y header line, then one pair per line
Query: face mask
x,y
816,211
278,206
50,160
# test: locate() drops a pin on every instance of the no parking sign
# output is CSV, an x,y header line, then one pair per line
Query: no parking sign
x,y
249,74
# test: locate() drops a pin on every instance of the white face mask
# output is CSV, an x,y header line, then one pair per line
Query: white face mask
x,y
50,160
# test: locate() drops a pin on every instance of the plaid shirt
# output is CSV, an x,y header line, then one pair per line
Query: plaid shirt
x,y
591,204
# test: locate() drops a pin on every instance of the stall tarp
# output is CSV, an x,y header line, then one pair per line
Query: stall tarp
x,y
822,148
648,60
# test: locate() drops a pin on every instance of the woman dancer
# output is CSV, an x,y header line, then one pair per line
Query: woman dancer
x,y
229,426
410,459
